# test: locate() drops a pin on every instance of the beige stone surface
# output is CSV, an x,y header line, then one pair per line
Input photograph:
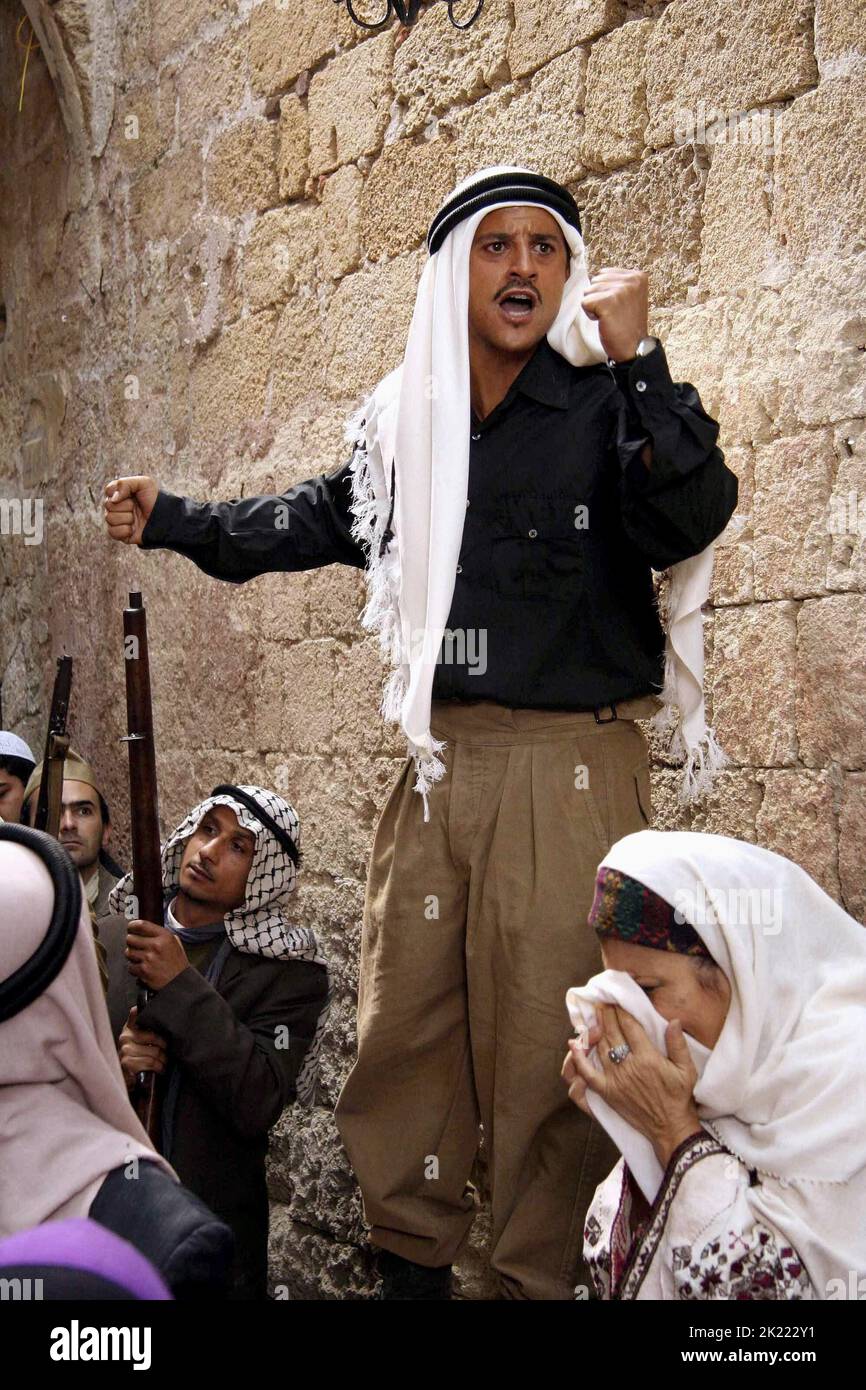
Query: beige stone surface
x,y
401,193
350,103
736,245
648,218
293,134
846,510
793,479
798,818
280,256
241,167
341,221
840,36
717,57
208,302
616,113
439,65
831,681
368,320
751,674
819,204
539,127
286,37
536,40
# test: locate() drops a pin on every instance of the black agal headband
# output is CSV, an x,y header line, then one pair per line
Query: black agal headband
x,y
282,837
512,186
33,977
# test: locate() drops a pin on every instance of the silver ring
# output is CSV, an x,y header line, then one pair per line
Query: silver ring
x,y
619,1054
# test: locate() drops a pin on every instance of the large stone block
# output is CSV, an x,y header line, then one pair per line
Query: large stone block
x,y
831,681
708,58
228,383
204,281
846,510
852,844
144,122
281,256
288,36
648,218
164,200
293,134
733,575
341,221
402,192
368,320
439,66
616,114
349,104
540,128
819,183
540,35
752,676
241,167
298,354
358,725
731,806
173,26
211,82
305,1264
840,37
736,247
294,710
793,478
798,819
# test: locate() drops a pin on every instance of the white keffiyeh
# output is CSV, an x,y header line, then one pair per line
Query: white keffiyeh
x,y
414,429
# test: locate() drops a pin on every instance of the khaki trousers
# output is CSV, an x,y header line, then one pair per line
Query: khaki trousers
x,y
474,928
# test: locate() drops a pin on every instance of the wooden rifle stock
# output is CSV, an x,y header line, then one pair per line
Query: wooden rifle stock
x,y
144,819
48,803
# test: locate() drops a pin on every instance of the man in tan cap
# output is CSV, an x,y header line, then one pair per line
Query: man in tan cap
x,y
85,828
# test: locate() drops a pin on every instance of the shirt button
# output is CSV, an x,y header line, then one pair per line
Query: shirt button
x,y
476,436
459,569
532,534
467,501
640,386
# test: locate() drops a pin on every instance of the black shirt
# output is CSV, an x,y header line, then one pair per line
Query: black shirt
x,y
553,601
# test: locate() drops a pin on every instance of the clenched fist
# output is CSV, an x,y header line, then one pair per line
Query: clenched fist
x,y
128,505
619,300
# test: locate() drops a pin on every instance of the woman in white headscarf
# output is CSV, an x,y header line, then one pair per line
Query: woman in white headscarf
x,y
740,1123
68,1135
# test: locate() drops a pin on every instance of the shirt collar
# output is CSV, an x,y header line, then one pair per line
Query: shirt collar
x,y
545,378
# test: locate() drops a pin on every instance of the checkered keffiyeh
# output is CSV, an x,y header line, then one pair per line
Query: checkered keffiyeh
x,y
260,926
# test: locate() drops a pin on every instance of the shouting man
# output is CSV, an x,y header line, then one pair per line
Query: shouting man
x,y
238,1006
513,483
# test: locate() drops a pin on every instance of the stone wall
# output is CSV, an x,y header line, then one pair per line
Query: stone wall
x,y
211,227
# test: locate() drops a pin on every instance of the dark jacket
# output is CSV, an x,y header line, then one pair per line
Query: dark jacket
x,y
239,1047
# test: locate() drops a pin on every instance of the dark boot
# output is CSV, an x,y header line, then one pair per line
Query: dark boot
x,y
405,1279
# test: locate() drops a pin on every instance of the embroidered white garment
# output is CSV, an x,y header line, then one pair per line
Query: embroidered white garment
x,y
784,1088
415,427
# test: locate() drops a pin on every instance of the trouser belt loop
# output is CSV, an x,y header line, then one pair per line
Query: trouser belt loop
x,y
598,720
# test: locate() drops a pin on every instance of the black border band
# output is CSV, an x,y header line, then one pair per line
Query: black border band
x,y
282,836
499,188
33,977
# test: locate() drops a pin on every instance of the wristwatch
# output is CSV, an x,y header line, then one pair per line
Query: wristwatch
x,y
646,346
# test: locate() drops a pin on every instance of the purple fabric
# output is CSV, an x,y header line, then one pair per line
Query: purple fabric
x,y
87,1246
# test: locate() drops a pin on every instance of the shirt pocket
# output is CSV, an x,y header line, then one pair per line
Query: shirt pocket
x,y
528,546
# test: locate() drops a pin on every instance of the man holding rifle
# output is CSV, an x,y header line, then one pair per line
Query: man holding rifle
x,y
237,1009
